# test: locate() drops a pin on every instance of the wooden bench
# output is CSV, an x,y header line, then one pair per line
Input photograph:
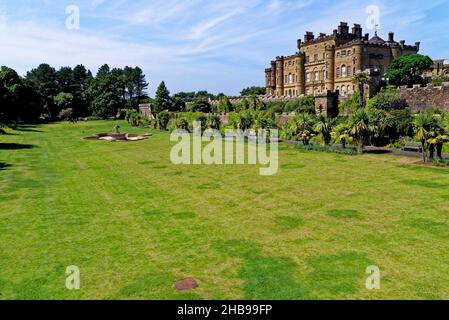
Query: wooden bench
x,y
413,146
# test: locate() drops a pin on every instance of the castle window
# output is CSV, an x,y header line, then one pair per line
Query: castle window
x,y
316,57
349,52
348,89
338,72
308,77
343,71
317,76
290,78
349,71
343,53
338,54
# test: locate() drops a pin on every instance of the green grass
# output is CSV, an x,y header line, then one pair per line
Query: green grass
x,y
134,223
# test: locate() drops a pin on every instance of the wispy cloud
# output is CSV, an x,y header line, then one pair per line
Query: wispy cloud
x,y
182,41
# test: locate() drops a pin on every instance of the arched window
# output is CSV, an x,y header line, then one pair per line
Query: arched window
x,y
338,72
349,71
343,71
290,78
308,77
317,76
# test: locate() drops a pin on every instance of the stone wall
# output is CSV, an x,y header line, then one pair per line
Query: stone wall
x,y
420,98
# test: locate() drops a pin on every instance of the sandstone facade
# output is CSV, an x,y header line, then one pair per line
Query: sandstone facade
x,y
328,62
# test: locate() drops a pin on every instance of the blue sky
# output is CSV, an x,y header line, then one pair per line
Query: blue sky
x,y
220,46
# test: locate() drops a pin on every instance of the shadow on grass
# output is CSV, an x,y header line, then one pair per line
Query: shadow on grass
x,y
4,166
15,146
28,128
377,151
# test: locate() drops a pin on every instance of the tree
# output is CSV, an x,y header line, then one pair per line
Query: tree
x,y
162,101
324,126
18,101
360,128
302,127
178,105
408,69
250,91
361,79
135,85
422,124
224,106
201,106
341,134
67,115
43,80
106,92
163,118
64,100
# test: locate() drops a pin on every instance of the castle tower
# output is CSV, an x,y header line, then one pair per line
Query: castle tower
x,y
330,67
301,72
358,58
279,76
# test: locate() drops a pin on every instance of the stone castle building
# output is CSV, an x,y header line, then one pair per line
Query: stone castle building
x,y
328,62
439,70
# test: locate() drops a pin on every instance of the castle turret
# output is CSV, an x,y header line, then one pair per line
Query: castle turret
x,y
330,67
279,76
358,58
301,74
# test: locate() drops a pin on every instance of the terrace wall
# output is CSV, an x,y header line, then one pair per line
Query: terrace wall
x,y
420,98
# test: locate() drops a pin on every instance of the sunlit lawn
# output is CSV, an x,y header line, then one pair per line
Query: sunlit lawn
x,y
134,223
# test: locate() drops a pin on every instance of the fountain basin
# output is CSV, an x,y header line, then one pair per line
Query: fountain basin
x,y
118,137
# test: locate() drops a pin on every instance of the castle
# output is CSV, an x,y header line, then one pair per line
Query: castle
x,y
328,62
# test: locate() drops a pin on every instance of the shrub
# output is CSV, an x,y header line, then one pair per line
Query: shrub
x,y
162,120
214,122
182,124
66,114
329,148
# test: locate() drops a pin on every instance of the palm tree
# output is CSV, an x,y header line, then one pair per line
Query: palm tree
x,y
422,124
324,128
360,128
303,127
360,79
437,135
341,134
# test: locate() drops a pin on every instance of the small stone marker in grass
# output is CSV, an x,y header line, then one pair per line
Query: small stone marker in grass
x,y
186,284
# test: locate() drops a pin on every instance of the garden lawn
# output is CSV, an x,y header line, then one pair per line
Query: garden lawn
x,y
134,223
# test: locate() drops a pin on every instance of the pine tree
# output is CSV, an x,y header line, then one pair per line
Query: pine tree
x,y
162,101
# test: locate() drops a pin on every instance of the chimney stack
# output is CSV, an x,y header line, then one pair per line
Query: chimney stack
x,y
418,44
309,36
343,28
391,37
366,37
357,31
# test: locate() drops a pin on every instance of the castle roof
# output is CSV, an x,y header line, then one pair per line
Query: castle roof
x,y
377,40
